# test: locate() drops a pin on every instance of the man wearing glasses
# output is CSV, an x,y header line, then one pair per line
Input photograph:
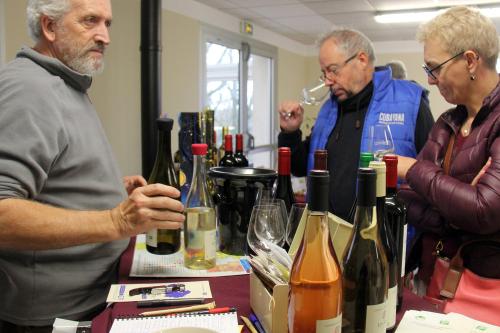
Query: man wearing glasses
x,y
361,96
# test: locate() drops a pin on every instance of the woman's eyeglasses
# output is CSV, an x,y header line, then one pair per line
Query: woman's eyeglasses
x,y
430,71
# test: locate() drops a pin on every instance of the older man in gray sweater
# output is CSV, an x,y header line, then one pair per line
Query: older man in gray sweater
x,y
65,214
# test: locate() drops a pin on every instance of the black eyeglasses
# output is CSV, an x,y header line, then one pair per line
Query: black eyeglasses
x,y
430,71
333,70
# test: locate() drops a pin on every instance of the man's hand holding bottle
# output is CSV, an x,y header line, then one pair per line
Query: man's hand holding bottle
x,y
148,207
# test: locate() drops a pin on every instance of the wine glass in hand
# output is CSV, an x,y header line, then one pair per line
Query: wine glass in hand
x,y
311,95
314,94
381,142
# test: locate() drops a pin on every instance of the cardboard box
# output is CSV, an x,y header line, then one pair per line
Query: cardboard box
x,y
272,310
340,232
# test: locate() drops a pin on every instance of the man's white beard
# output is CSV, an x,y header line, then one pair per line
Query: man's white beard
x,y
78,58
85,64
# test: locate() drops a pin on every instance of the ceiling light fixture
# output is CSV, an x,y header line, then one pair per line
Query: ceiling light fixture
x,y
424,15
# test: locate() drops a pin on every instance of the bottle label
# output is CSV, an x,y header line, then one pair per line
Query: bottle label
x,y
152,238
210,244
375,318
403,256
202,243
392,300
333,325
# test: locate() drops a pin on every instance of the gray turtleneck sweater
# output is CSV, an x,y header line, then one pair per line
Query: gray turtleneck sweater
x,y
53,150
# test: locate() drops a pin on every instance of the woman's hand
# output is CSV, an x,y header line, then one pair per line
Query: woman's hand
x,y
481,172
404,164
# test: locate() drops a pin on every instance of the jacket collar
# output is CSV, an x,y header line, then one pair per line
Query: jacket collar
x,y
54,66
456,116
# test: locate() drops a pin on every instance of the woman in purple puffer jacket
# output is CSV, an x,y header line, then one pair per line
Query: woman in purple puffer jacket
x,y
449,208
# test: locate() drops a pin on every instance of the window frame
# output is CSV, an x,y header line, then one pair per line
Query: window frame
x,y
214,35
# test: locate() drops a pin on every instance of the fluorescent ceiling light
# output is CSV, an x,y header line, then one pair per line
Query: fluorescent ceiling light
x,y
422,16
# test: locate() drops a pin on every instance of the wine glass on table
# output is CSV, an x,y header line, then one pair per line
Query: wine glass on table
x,y
381,142
312,95
294,218
266,225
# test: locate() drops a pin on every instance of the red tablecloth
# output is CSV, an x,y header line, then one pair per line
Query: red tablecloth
x,y
230,291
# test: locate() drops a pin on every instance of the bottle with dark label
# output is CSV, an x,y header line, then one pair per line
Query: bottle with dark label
x,y
228,159
365,280
315,296
164,241
320,159
241,160
284,188
388,244
396,217
200,239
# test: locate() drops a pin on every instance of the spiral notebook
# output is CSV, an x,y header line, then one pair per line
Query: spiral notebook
x,y
218,322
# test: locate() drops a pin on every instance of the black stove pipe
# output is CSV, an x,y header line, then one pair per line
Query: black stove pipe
x,y
151,104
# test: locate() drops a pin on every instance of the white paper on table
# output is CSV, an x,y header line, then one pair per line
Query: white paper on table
x,y
146,264
415,321
194,289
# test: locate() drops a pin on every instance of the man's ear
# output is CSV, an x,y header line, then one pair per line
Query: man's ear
x,y
364,58
48,26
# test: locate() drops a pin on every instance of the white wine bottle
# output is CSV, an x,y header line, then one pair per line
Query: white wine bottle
x,y
164,241
387,241
200,239
365,280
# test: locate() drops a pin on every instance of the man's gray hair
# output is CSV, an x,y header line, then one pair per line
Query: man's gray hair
x,y
398,69
54,9
350,41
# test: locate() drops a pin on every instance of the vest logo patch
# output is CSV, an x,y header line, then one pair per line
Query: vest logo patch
x,y
392,118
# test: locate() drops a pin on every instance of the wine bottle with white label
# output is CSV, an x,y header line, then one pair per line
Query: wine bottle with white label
x,y
365,280
164,241
396,216
388,245
200,239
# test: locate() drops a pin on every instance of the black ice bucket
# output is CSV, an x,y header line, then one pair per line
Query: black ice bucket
x,y
236,189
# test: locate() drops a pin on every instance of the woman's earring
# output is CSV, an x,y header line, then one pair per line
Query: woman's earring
x,y
472,77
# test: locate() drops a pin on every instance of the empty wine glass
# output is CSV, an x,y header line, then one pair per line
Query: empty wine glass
x,y
312,95
265,225
381,142
293,221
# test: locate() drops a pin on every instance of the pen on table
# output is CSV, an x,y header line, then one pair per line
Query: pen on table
x,y
255,321
249,324
210,311
169,302
206,306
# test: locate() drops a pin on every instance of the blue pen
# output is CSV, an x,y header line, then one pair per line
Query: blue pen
x,y
256,323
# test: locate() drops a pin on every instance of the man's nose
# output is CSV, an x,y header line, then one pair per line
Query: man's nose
x,y
329,81
102,34
431,80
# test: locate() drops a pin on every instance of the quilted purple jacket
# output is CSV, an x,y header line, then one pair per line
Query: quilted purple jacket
x,y
447,206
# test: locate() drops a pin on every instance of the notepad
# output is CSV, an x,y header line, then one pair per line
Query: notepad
x,y
219,322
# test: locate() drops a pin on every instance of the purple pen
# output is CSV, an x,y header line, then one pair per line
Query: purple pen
x,y
256,323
